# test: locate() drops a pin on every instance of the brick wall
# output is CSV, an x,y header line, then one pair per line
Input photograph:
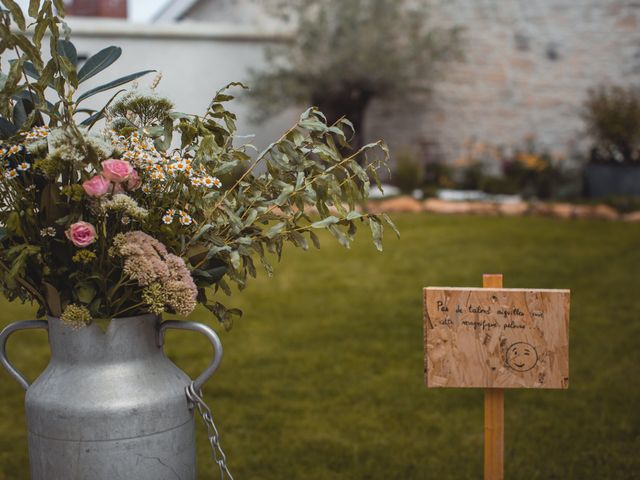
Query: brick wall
x,y
528,66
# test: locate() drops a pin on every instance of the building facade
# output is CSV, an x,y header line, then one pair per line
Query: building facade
x,y
528,67
97,8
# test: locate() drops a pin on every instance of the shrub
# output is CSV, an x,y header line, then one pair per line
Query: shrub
x,y
407,175
612,117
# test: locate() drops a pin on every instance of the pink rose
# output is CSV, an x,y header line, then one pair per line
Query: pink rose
x,y
81,234
117,171
96,186
134,181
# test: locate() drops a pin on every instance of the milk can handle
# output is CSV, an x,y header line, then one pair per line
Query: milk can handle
x,y
207,332
4,336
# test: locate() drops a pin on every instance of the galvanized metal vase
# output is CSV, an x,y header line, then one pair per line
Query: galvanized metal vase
x,y
110,405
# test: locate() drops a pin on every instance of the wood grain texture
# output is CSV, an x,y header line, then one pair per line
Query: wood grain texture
x,y
496,338
493,413
493,433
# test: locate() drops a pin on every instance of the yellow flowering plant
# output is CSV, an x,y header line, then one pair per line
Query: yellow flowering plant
x,y
137,208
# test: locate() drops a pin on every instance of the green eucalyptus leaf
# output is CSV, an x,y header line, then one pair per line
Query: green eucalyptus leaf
x,y
112,84
376,232
314,239
7,128
68,50
34,6
325,222
59,4
85,292
277,229
16,13
98,62
391,224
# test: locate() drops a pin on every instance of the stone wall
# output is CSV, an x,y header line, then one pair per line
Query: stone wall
x,y
529,64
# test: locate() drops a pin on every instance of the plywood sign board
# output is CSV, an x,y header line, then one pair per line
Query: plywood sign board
x,y
496,338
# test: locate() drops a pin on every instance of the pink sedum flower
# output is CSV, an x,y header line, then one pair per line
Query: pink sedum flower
x,y
134,181
81,234
118,171
96,186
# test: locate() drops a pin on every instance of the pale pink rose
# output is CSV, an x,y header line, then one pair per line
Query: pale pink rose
x,y
81,234
117,171
96,186
134,181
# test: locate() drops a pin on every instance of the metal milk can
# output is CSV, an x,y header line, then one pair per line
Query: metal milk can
x,y
110,405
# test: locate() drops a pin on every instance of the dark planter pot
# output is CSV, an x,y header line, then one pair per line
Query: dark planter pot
x,y
602,180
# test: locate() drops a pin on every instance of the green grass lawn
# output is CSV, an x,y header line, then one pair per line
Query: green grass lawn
x,y
322,378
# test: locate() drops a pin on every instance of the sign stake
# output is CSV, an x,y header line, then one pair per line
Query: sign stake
x,y
493,414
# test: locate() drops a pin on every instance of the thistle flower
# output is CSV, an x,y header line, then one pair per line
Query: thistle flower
x,y
125,204
84,257
76,316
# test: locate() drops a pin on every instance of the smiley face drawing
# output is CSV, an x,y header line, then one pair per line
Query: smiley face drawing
x,y
521,357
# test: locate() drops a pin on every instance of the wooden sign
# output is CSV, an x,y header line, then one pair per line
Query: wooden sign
x,y
496,338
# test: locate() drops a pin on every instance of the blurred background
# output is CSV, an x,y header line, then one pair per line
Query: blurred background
x,y
537,100
522,117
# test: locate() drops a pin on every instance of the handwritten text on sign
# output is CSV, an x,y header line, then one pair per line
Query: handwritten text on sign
x,y
496,338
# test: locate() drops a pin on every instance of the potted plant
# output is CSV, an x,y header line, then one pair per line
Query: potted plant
x,y
612,116
112,217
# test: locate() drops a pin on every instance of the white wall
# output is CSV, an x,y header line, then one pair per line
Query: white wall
x,y
195,61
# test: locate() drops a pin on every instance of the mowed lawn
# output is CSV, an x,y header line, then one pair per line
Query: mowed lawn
x,y
322,378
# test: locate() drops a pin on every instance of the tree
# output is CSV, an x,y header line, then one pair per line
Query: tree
x,y
346,53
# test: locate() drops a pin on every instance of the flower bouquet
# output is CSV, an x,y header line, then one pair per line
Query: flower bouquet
x,y
132,210
137,208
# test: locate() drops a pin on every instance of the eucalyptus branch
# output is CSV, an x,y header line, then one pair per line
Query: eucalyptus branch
x,y
27,286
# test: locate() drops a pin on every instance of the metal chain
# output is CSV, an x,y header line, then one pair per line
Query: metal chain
x,y
217,453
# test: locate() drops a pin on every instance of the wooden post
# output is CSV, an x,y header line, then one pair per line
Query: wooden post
x,y
493,414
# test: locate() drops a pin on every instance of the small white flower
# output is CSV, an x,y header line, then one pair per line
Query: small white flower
x,y
48,232
15,149
37,133
125,220
11,174
185,219
180,166
211,182
30,188
167,219
24,166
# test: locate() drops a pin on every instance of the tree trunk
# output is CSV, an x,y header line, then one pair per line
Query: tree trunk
x,y
350,104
